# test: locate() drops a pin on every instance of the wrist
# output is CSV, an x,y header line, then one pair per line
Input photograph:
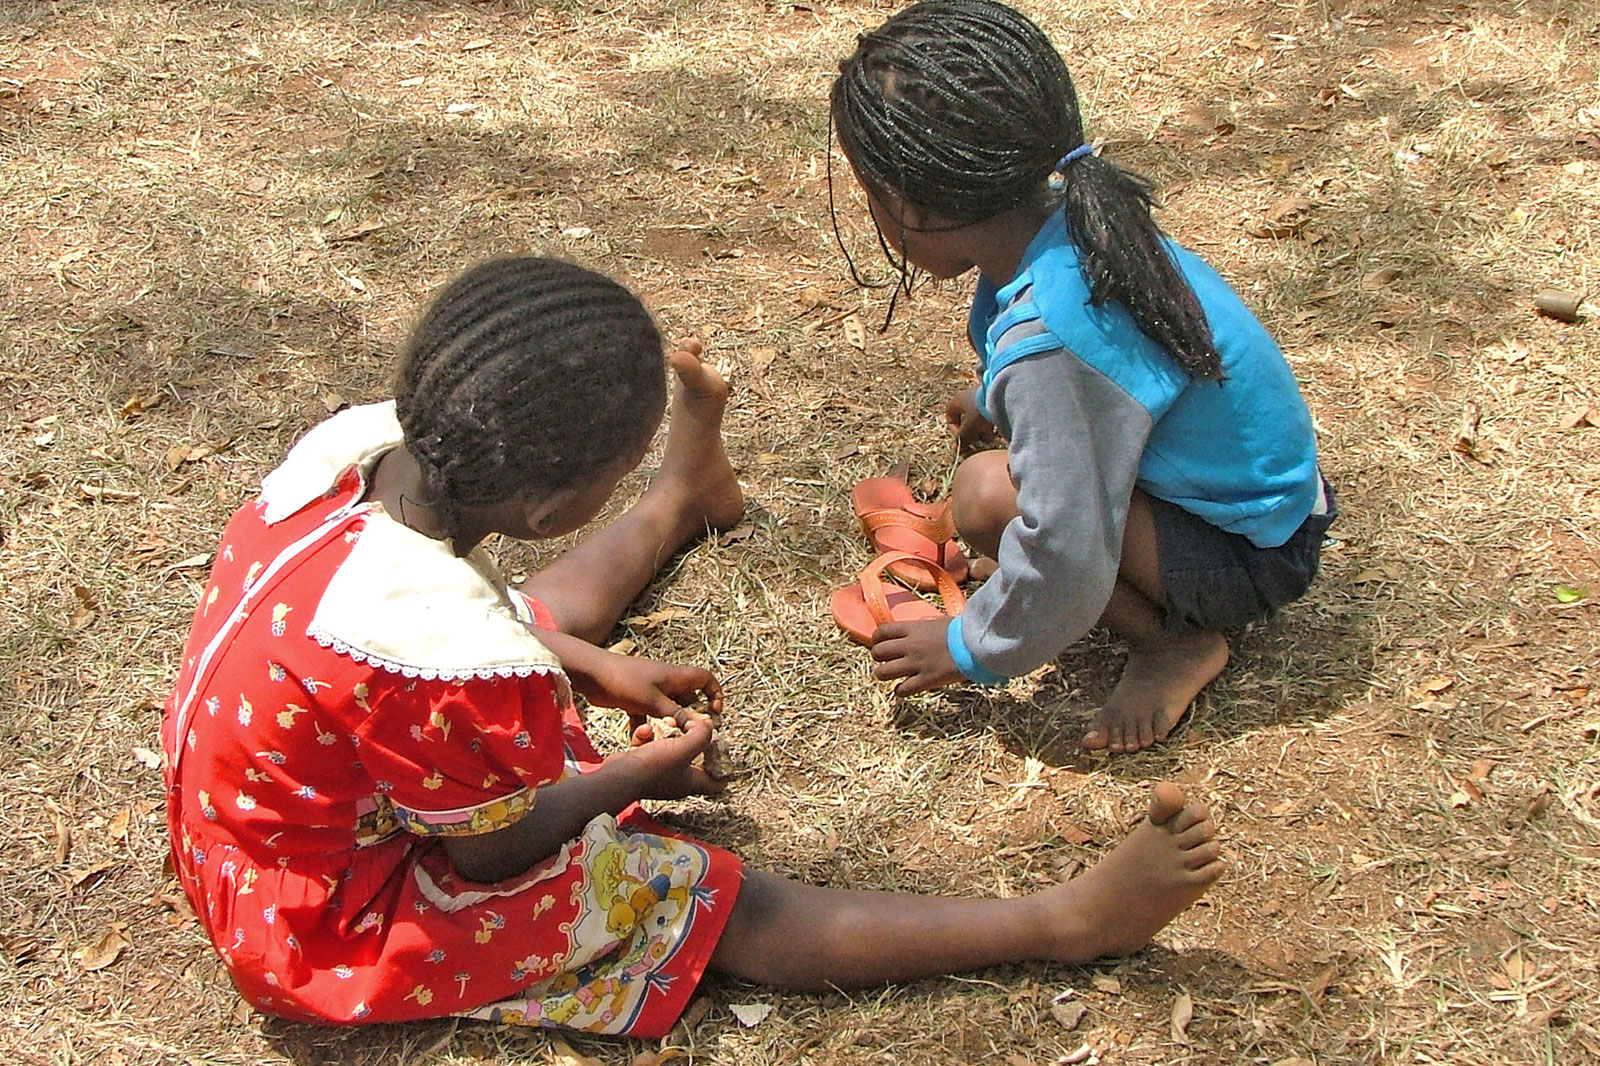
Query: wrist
x,y
625,775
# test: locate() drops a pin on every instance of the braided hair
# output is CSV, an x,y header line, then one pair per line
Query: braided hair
x,y
527,374
964,108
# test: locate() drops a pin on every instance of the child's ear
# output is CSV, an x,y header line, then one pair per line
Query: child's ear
x,y
539,513
913,217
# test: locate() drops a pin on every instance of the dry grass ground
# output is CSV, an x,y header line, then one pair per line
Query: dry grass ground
x,y
215,219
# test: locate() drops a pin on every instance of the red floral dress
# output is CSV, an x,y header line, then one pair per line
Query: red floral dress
x,y
352,691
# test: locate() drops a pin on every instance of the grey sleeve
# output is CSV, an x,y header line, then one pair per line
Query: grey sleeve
x,y
1075,443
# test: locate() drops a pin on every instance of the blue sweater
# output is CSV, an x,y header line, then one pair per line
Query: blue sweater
x,y
1092,408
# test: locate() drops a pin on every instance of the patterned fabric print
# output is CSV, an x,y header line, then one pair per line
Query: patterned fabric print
x,y
467,821
645,896
313,788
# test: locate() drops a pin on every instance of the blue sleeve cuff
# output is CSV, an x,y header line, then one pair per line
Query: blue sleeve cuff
x,y
969,667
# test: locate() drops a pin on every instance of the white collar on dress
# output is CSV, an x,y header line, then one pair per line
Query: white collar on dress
x,y
356,436
409,604
400,600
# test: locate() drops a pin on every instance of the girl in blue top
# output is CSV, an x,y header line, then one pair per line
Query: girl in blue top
x,y
1160,472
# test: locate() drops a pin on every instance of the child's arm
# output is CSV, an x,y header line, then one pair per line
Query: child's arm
x,y
653,769
1076,440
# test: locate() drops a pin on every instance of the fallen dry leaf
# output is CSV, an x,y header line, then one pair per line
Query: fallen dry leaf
x,y
100,492
750,1015
742,531
140,402
1578,416
87,879
656,618
179,454
1466,442
855,334
107,949
1433,685
562,1053
1319,985
1182,1015
63,834
1073,833
1381,278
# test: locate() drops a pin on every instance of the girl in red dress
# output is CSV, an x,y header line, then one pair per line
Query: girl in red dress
x,y
382,802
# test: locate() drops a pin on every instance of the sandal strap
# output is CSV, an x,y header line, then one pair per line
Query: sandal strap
x,y
877,597
937,527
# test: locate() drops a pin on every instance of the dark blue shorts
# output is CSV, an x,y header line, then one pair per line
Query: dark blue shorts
x,y
1216,580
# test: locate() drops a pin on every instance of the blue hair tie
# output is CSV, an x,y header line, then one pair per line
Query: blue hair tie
x,y
1058,176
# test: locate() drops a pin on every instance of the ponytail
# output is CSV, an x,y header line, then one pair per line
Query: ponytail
x,y
1124,257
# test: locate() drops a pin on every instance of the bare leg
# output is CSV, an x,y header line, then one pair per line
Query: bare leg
x,y
801,937
1165,671
590,587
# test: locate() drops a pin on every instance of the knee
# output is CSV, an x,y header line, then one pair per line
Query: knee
x,y
983,500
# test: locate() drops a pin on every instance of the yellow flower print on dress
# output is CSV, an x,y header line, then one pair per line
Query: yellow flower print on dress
x,y
422,994
489,924
360,693
246,711
250,575
433,783
437,720
286,716
279,613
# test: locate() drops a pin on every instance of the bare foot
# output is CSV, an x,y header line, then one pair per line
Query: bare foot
x,y
695,466
1158,684
1159,869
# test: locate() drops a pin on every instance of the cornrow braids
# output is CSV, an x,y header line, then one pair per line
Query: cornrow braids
x,y
964,108
527,374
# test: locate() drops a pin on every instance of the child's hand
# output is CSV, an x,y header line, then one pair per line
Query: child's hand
x,y
915,652
663,765
644,687
966,422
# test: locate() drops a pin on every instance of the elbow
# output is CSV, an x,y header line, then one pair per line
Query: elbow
x,y
478,859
